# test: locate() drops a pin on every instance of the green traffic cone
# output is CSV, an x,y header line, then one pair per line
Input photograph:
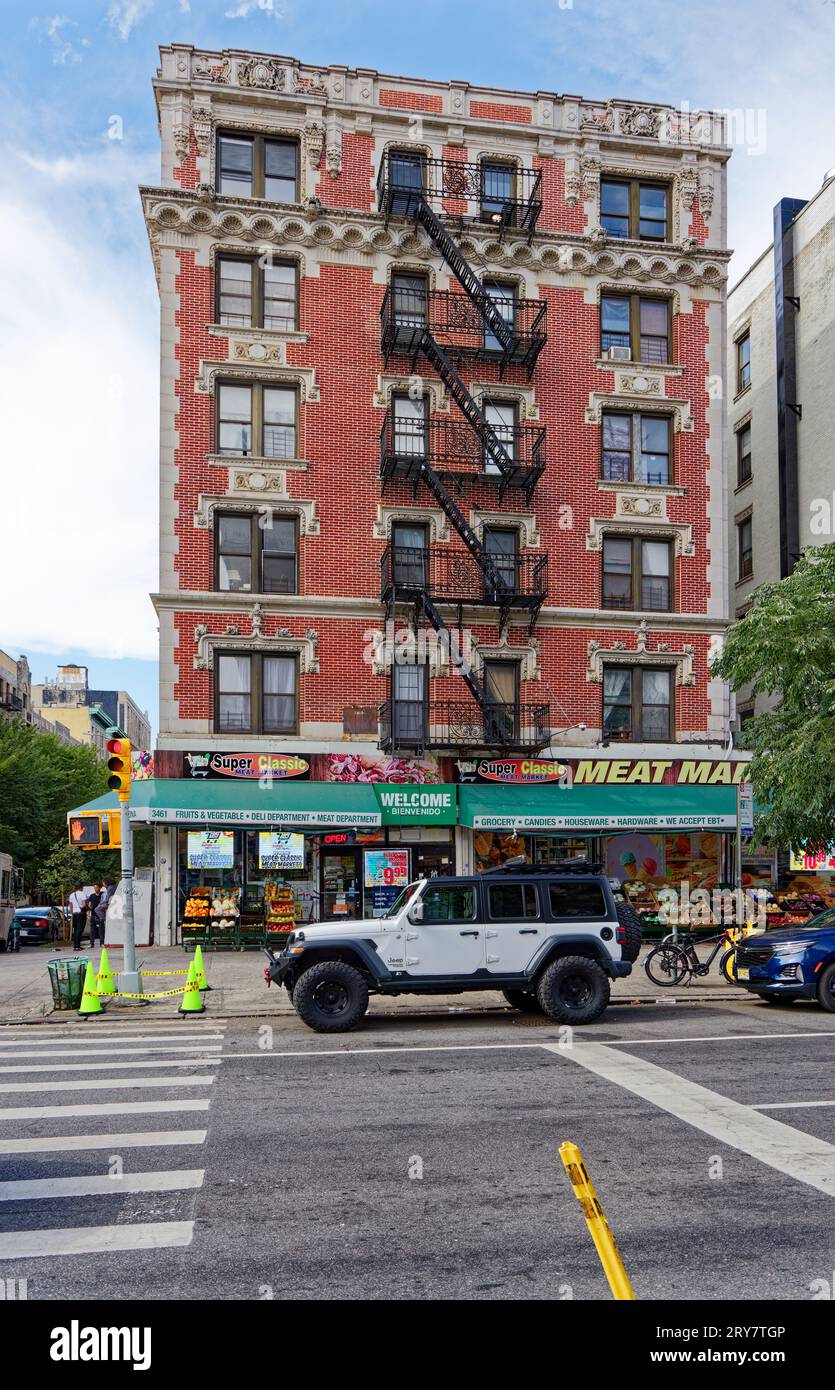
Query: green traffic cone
x,y
192,1003
90,1002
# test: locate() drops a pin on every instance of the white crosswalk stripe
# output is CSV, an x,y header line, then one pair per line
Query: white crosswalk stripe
x,y
54,1201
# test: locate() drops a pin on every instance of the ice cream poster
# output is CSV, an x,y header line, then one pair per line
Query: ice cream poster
x,y
635,858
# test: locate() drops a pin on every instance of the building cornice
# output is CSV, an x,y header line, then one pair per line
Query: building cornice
x,y
172,214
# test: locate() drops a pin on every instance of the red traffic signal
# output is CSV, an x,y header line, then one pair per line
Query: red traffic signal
x,y
118,765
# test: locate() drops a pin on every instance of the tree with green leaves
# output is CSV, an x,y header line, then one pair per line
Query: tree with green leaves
x,y
784,649
61,869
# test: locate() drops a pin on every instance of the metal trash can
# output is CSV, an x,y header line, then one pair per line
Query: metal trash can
x,y
67,980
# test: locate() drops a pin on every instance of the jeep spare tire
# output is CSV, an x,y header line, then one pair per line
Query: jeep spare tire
x,y
330,997
573,989
632,925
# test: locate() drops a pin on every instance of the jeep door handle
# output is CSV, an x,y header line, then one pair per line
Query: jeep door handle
x,y
468,933
529,931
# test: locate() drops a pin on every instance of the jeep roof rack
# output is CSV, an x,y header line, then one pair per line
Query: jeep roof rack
x,y
519,865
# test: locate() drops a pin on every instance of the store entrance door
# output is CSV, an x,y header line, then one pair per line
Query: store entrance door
x,y
341,884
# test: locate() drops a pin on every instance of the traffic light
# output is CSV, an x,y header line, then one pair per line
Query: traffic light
x,y
99,830
118,765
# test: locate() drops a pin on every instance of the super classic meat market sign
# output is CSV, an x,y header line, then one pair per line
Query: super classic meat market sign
x,y
620,772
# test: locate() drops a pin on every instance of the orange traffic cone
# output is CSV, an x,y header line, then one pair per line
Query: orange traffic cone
x,y
192,1003
90,1002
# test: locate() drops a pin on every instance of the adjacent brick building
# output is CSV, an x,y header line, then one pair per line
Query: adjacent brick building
x,y
436,359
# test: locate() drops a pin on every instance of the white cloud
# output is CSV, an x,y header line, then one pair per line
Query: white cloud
x,y
79,363
247,7
53,28
124,15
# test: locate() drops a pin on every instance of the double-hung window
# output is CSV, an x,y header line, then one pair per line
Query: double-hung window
x,y
636,448
637,703
635,324
256,419
504,302
257,166
256,553
502,417
637,574
256,693
630,208
743,363
252,295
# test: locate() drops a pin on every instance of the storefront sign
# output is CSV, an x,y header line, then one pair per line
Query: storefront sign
x,y
247,765
820,862
280,850
434,805
600,824
386,872
700,772
364,767
350,837
516,771
211,849
746,808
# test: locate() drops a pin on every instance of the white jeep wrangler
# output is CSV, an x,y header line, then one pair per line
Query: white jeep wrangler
x,y
549,937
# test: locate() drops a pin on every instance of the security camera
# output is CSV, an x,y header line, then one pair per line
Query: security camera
x,y
582,728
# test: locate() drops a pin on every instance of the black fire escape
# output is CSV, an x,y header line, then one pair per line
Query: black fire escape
x,y
446,329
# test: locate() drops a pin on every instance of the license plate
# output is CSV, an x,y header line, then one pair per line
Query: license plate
x,y
742,974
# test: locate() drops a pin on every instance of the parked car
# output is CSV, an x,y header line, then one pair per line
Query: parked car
x,y
36,926
549,937
791,962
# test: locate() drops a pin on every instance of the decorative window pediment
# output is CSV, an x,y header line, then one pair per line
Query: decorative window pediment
x,y
432,517
619,654
207,643
303,511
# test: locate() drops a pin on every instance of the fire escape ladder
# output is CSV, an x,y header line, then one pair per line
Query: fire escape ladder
x,y
464,273
454,514
472,682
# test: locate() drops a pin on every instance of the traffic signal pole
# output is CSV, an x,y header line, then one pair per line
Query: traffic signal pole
x,y
118,765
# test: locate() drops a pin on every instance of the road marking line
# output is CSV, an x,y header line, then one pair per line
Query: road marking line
x,y
794,1105
91,1240
93,1039
387,1051
108,1083
114,1066
138,1139
128,1107
800,1156
212,1048
719,1037
101,1185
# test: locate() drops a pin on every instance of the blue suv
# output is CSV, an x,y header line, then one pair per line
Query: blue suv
x,y
791,962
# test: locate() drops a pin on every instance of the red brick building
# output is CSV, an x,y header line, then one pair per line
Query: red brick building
x,y
441,472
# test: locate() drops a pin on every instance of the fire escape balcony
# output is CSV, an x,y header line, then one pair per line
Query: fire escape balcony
x,y
456,452
455,577
456,725
493,192
457,325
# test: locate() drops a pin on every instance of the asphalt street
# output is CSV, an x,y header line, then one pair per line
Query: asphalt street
x,y
417,1157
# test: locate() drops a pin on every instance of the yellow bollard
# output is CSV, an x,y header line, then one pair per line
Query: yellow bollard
x,y
604,1241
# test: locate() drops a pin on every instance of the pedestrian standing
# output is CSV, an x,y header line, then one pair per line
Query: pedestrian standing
x,y
108,889
78,907
96,926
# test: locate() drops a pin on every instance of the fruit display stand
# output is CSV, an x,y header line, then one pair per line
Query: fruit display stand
x,y
225,920
195,924
280,911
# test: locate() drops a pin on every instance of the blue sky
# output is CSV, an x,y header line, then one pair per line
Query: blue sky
x,y
79,315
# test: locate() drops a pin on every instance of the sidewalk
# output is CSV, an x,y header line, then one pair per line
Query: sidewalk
x,y
238,988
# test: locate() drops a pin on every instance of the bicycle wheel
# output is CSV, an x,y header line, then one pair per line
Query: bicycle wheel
x,y
728,965
666,965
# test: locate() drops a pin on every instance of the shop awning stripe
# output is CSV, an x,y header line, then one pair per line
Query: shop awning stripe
x,y
598,808
162,801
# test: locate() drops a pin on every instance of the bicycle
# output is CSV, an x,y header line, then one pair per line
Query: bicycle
x,y
674,962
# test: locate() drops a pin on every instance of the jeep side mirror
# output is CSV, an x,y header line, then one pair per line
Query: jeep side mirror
x,y
415,913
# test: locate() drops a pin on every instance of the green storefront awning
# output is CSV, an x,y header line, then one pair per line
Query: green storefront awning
x,y
192,801
598,808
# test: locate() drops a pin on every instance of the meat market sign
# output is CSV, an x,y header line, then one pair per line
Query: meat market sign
x,y
249,766
621,772
628,772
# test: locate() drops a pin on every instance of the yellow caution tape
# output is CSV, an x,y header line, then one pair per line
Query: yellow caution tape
x,y
158,994
149,973
605,1243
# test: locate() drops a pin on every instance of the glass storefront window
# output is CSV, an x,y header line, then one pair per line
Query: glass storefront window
x,y
492,849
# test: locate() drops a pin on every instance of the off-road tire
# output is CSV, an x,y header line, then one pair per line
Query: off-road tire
x,y
522,999
330,997
573,989
826,988
633,926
